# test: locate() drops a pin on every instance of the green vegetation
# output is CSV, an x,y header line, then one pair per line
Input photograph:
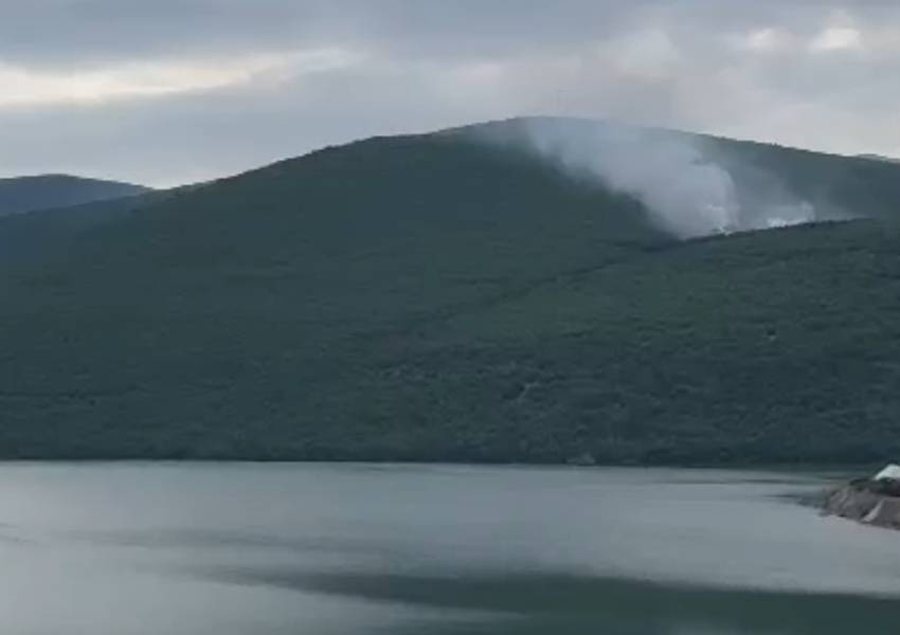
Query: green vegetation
x,y
432,298
30,193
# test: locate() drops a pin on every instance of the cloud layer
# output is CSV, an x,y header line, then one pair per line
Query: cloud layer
x,y
180,90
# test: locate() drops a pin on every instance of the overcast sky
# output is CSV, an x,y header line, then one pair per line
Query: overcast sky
x,y
172,91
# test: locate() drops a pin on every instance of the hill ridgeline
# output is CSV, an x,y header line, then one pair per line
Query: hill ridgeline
x,y
528,291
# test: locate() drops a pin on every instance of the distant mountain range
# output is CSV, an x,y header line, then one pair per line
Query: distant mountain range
x,y
30,193
461,296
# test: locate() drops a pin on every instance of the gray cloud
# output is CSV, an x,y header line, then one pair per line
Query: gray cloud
x,y
178,90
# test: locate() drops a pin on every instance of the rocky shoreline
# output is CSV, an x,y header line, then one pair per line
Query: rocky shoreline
x,y
874,501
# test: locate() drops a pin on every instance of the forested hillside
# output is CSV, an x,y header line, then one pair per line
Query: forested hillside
x,y
441,298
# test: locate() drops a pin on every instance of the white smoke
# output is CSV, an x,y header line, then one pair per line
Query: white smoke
x,y
685,193
789,214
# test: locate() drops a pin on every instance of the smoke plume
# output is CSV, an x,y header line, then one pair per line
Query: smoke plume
x,y
684,191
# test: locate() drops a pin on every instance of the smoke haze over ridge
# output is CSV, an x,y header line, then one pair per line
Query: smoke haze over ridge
x,y
684,190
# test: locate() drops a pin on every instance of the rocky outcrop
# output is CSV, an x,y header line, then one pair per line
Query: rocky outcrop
x,y
869,501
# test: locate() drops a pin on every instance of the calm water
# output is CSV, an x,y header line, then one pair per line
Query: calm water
x,y
224,549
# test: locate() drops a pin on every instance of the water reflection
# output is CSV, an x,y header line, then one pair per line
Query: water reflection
x,y
550,604
378,550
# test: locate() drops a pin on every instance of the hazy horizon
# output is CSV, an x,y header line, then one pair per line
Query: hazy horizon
x,y
306,151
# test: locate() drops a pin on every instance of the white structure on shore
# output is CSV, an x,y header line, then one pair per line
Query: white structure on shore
x,y
891,472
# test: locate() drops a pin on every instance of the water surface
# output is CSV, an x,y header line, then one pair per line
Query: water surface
x,y
228,549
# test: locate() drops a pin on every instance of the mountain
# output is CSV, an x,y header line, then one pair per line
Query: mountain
x,y
47,235
456,297
30,193
879,157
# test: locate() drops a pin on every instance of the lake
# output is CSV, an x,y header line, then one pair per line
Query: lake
x,y
228,549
